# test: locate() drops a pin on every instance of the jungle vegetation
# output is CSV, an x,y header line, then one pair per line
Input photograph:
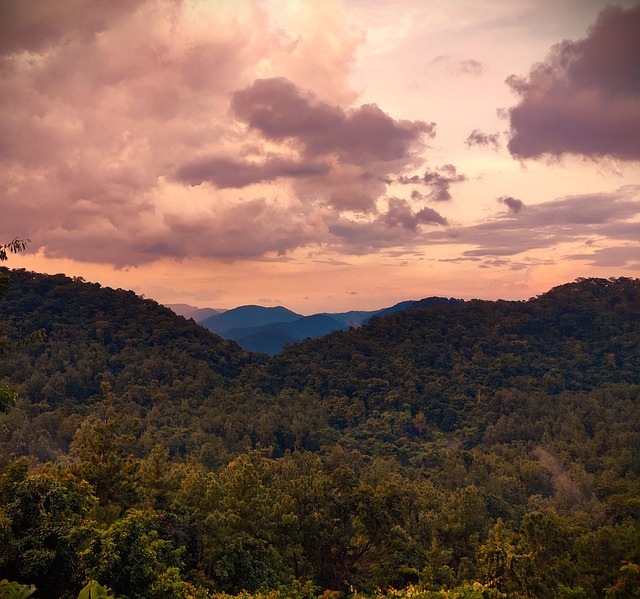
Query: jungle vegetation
x,y
477,449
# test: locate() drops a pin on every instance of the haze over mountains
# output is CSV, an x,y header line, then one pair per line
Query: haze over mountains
x,y
270,329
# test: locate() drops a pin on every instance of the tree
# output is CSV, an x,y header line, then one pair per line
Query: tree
x,y
44,526
15,246
15,590
7,396
130,556
104,445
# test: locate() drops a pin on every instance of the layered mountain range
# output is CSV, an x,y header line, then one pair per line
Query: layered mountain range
x,y
270,329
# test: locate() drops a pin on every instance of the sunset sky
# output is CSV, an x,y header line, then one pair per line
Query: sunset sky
x,y
325,156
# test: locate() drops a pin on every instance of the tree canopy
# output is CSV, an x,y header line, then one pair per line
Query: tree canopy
x,y
482,449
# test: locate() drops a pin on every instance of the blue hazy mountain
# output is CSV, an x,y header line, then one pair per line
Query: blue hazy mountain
x,y
271,338
268,330
355,318
247,317
198,314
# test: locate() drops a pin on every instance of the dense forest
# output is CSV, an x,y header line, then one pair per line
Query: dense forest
x,y
452,450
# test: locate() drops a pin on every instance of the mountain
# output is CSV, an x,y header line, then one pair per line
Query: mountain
x,y
271,338
98,338
248,316
268,330
198,314
476,449
449,360
356,318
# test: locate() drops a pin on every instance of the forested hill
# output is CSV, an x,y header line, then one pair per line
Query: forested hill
x,y
94,336
450,361
140,340
486,450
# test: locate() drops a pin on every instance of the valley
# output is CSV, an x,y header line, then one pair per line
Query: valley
x,y
451,449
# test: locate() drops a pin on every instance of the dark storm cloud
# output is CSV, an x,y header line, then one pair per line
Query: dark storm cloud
x,y
570,219
478,138
280,111
585,97
230,173
512,203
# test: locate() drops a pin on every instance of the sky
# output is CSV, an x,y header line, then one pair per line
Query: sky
x,y
324,156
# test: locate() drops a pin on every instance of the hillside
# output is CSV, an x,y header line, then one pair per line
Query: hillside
x,y
95,336
450,360
471,449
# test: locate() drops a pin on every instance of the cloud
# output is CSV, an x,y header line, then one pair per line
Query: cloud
x,y
513,204
129,130
231,173
248,230
570,219
440,181
456,66
33,26
478,138
616,256
399,213
399,225
281,111
584,98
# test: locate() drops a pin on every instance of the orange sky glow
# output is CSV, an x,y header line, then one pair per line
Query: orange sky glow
x,y
324,156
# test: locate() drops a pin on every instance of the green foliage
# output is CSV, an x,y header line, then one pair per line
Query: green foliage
x,y
93,590
7,395
43,527
628,583
130,555
104,447
7,398
486,449
14,590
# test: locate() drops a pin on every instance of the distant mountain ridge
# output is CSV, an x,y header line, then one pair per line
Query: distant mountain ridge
x,y
194,312
247,317
269,330
271,338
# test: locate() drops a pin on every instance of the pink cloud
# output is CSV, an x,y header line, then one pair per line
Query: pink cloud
x,y
584,97
230,173
127,130
281,111
34,26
